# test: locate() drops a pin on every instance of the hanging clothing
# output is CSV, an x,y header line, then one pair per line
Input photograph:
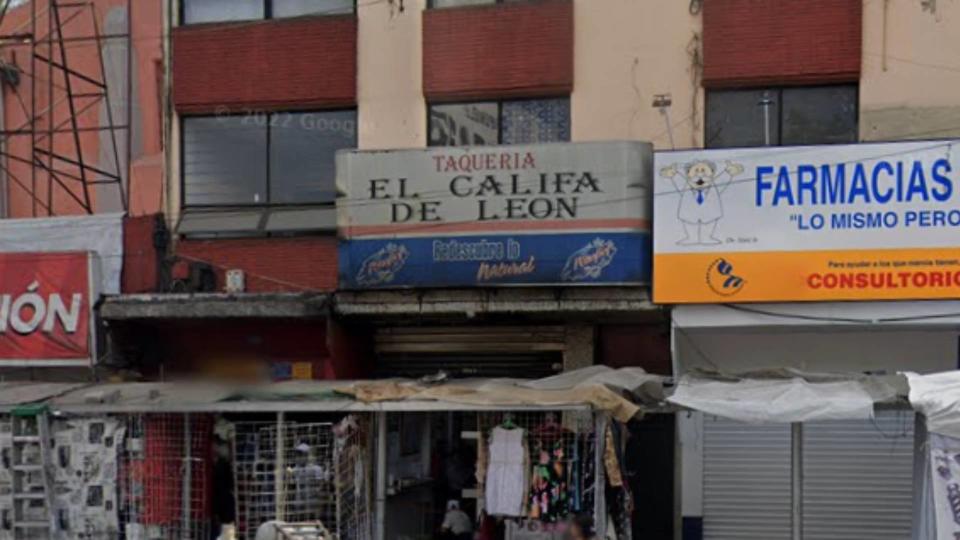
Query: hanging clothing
x,y
548,488
506,472
611,461
482,461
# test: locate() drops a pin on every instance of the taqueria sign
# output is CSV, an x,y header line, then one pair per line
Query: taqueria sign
x,y
569,214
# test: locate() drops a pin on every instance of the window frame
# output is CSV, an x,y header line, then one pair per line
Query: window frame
x,y
432,4
777,91
499,102
267,14
267,149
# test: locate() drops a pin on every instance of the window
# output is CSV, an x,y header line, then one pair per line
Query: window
x,y
505,122
206,11
459,3
782,116
267,159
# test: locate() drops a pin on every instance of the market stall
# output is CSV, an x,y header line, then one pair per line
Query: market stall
x,y
180,460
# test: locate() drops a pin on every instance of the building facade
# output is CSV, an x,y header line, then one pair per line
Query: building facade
x,y
251,251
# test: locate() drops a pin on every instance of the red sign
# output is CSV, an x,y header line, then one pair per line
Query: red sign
x,y
45,308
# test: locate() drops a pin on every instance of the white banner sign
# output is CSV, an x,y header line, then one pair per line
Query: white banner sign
x,y
545,187
811,223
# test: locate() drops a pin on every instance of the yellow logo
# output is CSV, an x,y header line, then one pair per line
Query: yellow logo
x,y
721,278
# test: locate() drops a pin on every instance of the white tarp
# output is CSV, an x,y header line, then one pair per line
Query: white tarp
x,y
945,482
86,475
101,234
85,478
759,400
937,397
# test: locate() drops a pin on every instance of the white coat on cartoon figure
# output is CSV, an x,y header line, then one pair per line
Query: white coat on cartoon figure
x,y
701,206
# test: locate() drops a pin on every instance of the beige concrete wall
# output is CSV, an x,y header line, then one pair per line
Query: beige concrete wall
x,y
391,109
910,87
625,52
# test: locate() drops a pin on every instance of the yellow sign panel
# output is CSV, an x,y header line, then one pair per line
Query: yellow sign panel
x,y
807,276
302,371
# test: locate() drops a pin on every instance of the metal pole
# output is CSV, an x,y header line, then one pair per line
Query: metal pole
x,y
51,6
600,482
380,476
766,102
279,485
187,477
126,184
34,93
4,162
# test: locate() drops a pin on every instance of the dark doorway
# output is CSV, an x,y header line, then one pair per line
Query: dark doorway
x,y
650,465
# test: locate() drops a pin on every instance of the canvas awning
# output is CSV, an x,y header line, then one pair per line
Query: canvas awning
x,y
786,395
937,397
622,393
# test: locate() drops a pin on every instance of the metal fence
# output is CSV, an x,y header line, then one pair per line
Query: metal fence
x,y
295,471
165,477
160,476
152,476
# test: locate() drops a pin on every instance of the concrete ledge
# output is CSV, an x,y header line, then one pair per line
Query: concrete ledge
x,y
629,302
214,306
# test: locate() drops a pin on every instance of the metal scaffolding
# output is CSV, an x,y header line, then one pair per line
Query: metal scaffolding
x,y
69,108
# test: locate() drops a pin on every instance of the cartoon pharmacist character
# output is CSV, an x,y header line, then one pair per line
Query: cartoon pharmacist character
x,y
700,207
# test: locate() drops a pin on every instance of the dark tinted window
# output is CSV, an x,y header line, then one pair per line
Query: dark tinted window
x,y
302,150
736,118
296,8
224,160
819,115
202,11
261,159
458,3
800,115
506,122
464,124
535,121
206,11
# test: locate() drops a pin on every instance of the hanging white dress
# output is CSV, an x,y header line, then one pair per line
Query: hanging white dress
x,y
506,484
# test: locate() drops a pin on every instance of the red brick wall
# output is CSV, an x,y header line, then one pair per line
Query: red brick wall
x,y
268,65
645,346
140,257
521,49
231,347
271,264
761,42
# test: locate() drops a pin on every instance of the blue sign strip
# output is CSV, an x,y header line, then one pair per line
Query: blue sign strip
x,y
498,259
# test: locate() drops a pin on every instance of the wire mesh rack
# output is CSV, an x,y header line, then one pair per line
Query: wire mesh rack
x,y
303,472
353,469
283,472
166,472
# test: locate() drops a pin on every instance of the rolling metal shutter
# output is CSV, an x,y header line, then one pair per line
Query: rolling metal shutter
x,y
470,351
746,481
858,478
